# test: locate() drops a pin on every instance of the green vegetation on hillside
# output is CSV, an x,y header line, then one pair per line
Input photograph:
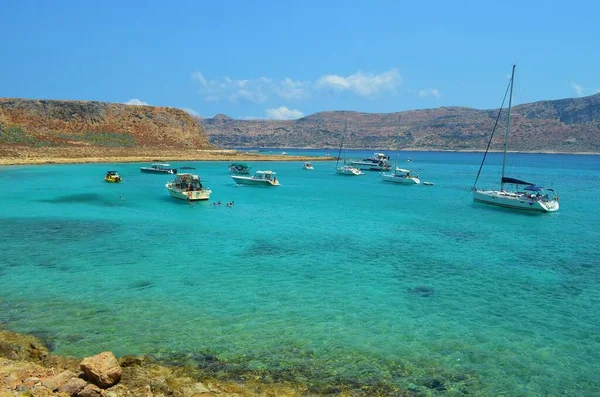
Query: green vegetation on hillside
x,y
107,139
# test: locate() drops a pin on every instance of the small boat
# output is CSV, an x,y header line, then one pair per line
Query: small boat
x,y
283,153
308,166
239,168
112,177
401,175
188,187
159,168
348,170
187,168
379,162
531,197
345,169
262,178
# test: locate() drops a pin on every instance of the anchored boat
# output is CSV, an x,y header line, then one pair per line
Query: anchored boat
x,y
261,178
525,195
159,168
188,187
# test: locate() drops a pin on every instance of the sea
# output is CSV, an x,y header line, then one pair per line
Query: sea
x,y
328,281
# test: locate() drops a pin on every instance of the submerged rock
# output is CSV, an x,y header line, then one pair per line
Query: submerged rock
x,y
421,290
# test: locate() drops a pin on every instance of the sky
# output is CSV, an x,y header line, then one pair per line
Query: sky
x,y
289,59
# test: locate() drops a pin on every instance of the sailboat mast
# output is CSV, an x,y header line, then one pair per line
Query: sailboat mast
x,y
512,81
341,144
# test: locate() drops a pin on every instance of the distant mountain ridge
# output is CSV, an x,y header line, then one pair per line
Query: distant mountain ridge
x,y
567,125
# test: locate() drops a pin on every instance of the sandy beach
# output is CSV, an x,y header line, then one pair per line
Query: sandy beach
x,y
17,155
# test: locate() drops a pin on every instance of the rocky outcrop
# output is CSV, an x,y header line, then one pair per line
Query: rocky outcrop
x,y
102,369
44,123
26,372
566,125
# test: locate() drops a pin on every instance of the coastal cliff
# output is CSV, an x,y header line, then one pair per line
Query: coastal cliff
x,y
568,125
70,124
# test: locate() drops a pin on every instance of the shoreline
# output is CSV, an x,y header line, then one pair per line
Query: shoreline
x,y
41,156
20,155
28,367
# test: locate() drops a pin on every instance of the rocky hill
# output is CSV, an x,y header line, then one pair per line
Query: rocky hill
x,y
88,124
566,125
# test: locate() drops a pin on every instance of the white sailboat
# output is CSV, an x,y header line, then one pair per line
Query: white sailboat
x,y
345,169
526,195
401,175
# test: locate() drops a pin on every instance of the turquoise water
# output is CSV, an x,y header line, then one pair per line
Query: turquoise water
x,y
325,280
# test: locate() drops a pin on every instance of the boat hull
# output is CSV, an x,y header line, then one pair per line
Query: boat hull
x,y
515,201
403,180
349,171
248,180
113,180
155,171
369,166
195,195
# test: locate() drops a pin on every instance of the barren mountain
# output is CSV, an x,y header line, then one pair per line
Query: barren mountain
x,y
566,125
69,124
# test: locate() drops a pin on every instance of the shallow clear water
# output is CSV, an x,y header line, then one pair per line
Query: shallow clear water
x,y
338,280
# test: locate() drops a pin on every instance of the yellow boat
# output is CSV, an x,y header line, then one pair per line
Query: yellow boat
x,y
112,177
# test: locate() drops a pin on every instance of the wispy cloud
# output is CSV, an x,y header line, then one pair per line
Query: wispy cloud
x,y
283,113
583,91
262,89
136,102
191,112
429,92
578,88
363,84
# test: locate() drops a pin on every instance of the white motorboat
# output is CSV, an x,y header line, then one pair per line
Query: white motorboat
x,y
159,168
401,175
531,197
188,187
379,162
261,178
308,166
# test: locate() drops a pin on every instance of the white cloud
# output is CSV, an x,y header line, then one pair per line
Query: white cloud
x,y
579,90
262,89
583,91
292,90
199,78
136,102
283,113
191,112
363,84
429,91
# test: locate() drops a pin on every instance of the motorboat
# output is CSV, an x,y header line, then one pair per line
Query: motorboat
x,y
159,168
188,187
401,175
307,166
112,177
261,178
379,162
525,195
239,168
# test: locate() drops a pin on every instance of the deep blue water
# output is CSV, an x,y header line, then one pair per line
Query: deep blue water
x,y
335,279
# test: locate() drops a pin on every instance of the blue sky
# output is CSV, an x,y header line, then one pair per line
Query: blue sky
x,y
288,59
